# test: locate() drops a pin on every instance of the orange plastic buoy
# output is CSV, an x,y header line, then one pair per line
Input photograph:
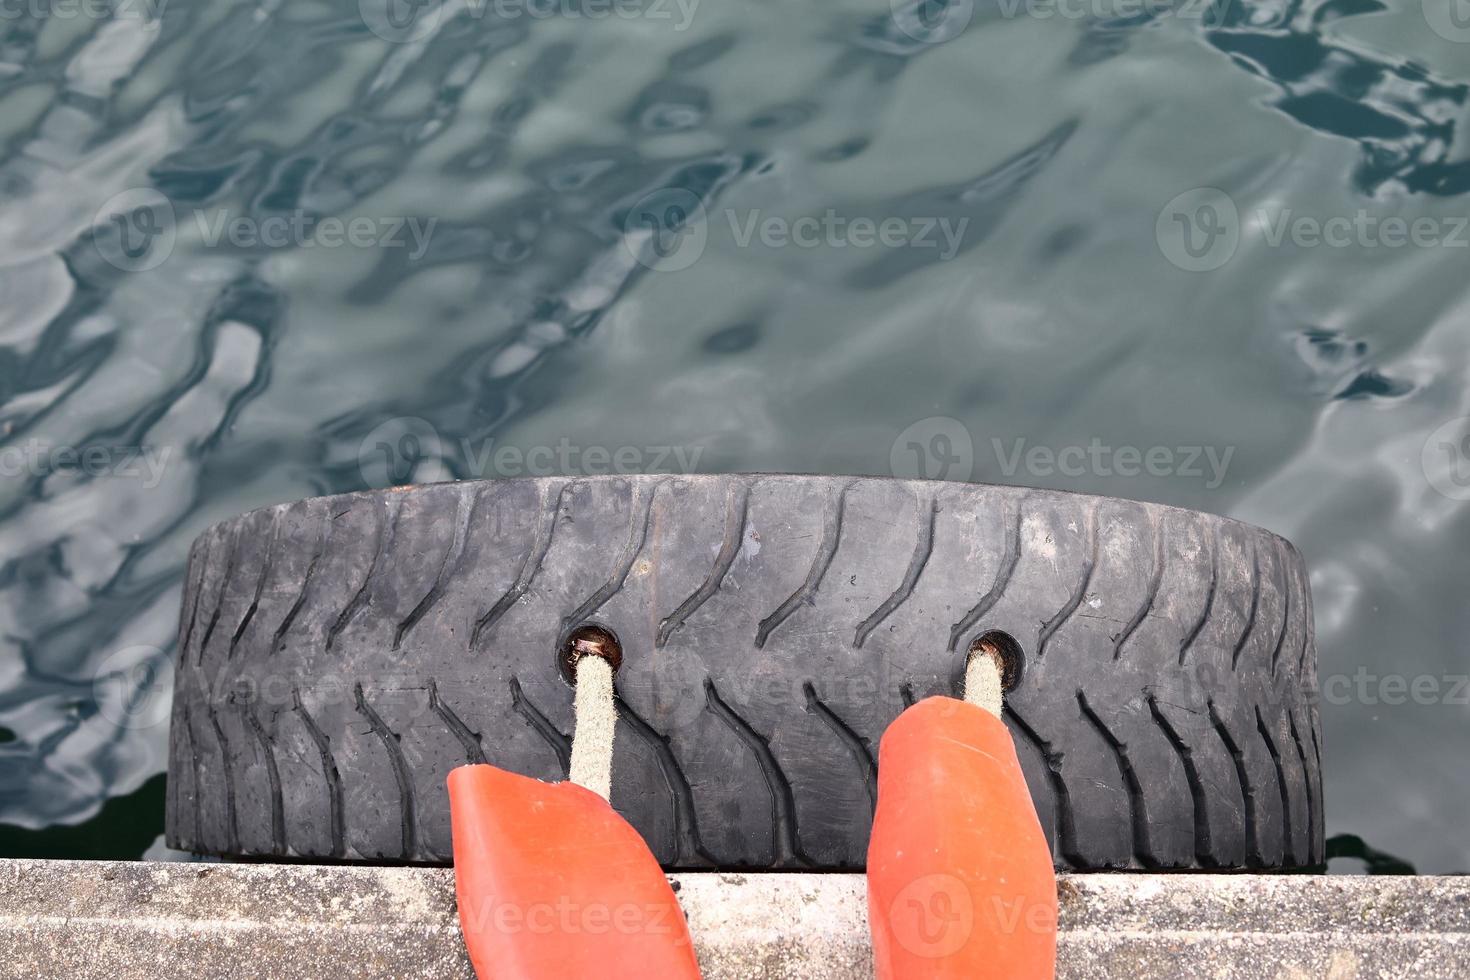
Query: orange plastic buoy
x,y
960,879
553,883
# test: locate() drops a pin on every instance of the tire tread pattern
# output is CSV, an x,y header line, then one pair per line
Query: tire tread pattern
x,y
1163,697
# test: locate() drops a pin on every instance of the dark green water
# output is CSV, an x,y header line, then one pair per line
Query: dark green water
x,y
1213,256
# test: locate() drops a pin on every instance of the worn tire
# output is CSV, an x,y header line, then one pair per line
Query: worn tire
x,y
338,656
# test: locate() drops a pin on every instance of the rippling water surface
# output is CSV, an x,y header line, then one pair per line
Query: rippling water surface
x,y
257,252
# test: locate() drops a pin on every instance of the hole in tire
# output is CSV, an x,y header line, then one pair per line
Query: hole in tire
x,y
588,640
1003,648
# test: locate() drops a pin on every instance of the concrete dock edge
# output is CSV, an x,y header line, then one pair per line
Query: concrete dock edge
x,y
119,920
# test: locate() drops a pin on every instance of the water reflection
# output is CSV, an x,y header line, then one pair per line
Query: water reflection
x,y
564,163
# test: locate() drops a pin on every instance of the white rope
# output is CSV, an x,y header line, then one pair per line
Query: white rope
x,y
982,680
596,716
592,740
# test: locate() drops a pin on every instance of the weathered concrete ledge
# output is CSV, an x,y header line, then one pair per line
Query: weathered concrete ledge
x,y
134,920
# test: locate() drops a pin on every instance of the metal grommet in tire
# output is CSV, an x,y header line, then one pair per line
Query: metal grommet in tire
x,y
338,656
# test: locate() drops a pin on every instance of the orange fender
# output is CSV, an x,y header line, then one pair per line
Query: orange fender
x,y
553,883
960,879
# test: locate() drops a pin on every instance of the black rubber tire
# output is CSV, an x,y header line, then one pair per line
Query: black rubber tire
x,y
340,655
